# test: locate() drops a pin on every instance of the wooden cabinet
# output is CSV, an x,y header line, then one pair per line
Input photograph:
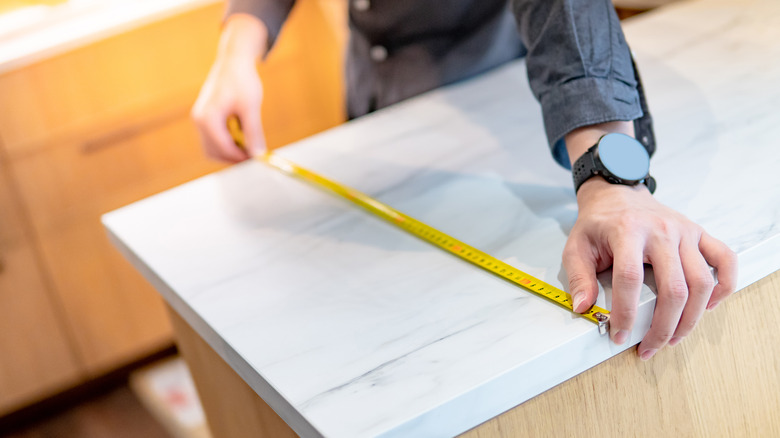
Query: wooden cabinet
x,y
99,127
35,353
114,314
87,132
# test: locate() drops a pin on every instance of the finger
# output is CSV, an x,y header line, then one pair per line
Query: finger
x,y
197,116
672,296
724,260
627,278
220,143
249,115
581,272
207,124
700,283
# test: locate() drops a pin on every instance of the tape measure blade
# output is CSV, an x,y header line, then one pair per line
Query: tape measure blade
x,y
438,238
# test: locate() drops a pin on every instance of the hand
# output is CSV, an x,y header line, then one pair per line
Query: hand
x,y
625,227
233,88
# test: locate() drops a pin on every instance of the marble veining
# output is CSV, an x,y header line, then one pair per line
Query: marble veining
x,y
348,327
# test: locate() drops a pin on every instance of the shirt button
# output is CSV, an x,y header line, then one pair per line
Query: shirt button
x,y
378,53
361,5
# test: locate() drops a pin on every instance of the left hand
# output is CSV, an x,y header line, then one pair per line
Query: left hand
x,y
625,227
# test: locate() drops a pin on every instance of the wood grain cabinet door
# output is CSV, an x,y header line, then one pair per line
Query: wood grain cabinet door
x,y
89,131
115,315
36,355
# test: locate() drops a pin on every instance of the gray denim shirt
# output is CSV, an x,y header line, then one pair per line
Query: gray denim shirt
x,y
579,65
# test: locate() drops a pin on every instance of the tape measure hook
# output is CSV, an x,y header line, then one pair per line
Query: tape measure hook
x,y
603,321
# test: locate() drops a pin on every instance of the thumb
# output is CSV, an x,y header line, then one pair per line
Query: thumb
x,y
581,271
253,130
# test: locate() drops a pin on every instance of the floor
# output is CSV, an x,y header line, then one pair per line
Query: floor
x,y
116,413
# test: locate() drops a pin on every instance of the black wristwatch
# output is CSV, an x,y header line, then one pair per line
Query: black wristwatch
x,y
618,158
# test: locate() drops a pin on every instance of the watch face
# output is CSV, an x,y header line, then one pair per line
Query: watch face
x,y
624,157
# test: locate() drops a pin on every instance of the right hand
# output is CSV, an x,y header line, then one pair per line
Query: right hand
x,y
233,87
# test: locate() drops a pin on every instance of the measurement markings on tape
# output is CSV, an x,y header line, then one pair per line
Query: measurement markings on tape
x,y
429,234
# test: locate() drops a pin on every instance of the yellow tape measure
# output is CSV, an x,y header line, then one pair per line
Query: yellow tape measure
x,y
427,233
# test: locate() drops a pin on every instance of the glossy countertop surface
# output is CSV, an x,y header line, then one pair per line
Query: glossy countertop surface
x,y
348,327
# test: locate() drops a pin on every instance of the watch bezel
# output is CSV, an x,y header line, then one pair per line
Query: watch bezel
x,y
603,171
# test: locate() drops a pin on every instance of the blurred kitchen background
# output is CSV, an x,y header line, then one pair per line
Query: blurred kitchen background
x,y
94,114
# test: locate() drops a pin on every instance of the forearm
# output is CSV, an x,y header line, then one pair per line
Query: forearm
x,y
244,38
579,140
271,13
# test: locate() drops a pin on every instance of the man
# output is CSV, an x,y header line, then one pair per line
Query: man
x,y
580,70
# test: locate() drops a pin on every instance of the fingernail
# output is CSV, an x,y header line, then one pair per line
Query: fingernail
x,y
647,354
675,340
578,298
712,305
619,336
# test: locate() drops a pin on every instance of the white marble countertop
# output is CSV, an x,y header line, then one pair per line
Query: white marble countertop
x,y
348,327
34,33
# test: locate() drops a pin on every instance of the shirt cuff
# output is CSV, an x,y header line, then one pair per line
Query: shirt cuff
x,y
583,102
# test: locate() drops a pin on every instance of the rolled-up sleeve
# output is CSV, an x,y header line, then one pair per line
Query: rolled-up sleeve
x,y
272,13
579,65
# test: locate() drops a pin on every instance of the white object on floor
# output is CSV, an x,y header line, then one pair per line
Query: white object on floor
x,y
166,389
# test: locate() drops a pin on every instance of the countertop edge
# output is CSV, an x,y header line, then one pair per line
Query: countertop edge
x,y
267,392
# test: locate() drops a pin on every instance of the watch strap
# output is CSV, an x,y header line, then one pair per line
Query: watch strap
x,y
584,168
